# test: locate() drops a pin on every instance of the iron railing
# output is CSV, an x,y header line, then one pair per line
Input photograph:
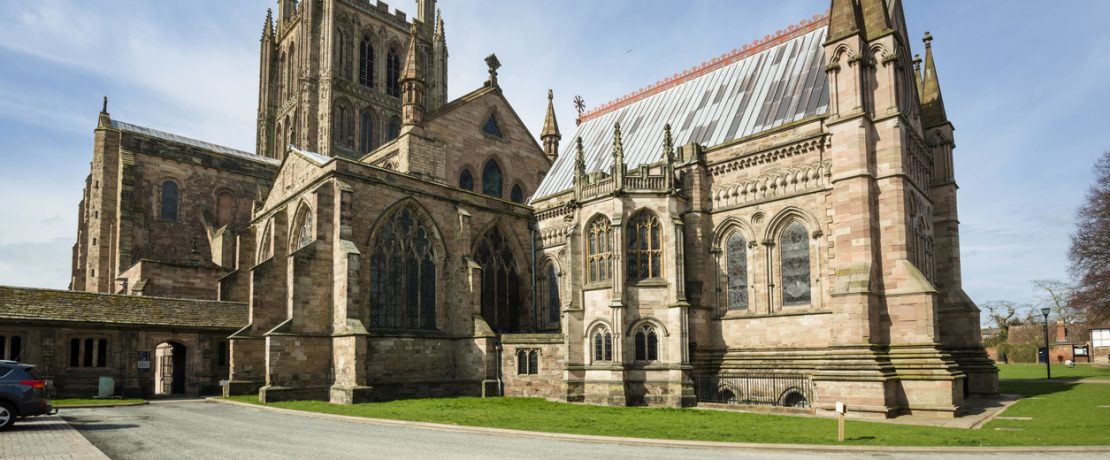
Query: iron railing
x,y
784,390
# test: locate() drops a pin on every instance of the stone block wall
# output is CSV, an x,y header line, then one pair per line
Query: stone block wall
x,y
160,279
543,381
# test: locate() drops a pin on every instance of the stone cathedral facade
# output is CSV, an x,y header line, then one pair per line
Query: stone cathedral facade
x,y
775,226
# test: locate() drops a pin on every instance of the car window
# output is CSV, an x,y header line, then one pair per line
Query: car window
x,y
4,371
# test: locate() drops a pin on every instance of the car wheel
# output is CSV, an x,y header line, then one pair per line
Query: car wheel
x,y
7,416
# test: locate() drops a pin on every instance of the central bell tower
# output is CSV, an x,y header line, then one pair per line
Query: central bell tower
x,y
329,74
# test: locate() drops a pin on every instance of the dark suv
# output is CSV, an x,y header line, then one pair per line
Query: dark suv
x,y
21,393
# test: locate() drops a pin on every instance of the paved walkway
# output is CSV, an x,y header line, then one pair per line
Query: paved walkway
x,y
46,438
218,430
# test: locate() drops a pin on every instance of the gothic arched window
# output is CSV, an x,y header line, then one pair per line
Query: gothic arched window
x,y
394,128
366,63
168,201
547,291
736,255
366,133
516,195
303,228
603,344
265,244
647,344
343,53
645,247
599,250
291,72
491,179
403,272
794,255
466,181
343,126
500,283
393,73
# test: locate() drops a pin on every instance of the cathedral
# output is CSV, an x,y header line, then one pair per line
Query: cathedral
x,y
777,226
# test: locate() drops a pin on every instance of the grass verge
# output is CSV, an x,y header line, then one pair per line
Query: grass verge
x,y
1063,414
1009,372
94,402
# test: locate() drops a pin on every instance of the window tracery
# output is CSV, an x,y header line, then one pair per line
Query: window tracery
x,y
645,251
599,251
500,282
647,344
794,258
603,344
403,272
736,254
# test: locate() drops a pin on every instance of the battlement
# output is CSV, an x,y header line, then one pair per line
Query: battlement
x,y
767,42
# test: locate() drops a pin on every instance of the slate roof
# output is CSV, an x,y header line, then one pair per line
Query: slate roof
x,y
771,82
150,132
45,305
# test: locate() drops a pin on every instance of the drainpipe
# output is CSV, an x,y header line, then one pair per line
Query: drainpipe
x,y
535,318
500,387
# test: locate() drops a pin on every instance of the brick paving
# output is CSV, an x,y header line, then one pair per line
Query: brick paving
x,y
46,438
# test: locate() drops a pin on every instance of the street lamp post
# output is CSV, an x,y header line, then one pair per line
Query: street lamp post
x,y
1047,359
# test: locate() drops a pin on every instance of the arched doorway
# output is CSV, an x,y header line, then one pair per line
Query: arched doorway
x,y
169,374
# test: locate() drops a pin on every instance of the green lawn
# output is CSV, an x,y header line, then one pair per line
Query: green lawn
x,y
1037,371
93,402
1068,415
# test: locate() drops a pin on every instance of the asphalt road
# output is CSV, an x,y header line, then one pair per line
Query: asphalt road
x,y
202,429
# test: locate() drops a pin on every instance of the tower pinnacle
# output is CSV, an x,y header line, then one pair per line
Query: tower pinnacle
x,y
412,83
550,134
932,104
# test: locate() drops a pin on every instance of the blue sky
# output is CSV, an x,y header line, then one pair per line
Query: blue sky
x,y
1024,83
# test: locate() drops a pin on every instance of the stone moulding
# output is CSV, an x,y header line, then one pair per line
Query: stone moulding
x,y
815,143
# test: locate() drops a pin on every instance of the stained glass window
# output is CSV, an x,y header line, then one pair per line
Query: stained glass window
x,y
645,252
599,250
794,247
366,63
169,201
393,73
516,195
491,127
466,181
500,282
647,344
403,272
737,266
491,179
366,133
603,345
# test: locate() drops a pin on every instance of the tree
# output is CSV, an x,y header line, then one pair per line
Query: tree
x,y
1090,246
1002,314
1057,296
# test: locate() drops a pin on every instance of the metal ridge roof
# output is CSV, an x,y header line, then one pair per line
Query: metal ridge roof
x,y
150,132
731,99
768,41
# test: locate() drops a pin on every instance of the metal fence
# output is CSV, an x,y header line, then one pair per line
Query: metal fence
x,y
785,390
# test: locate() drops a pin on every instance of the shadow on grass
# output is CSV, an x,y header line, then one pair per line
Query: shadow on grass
x,y
1029,389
